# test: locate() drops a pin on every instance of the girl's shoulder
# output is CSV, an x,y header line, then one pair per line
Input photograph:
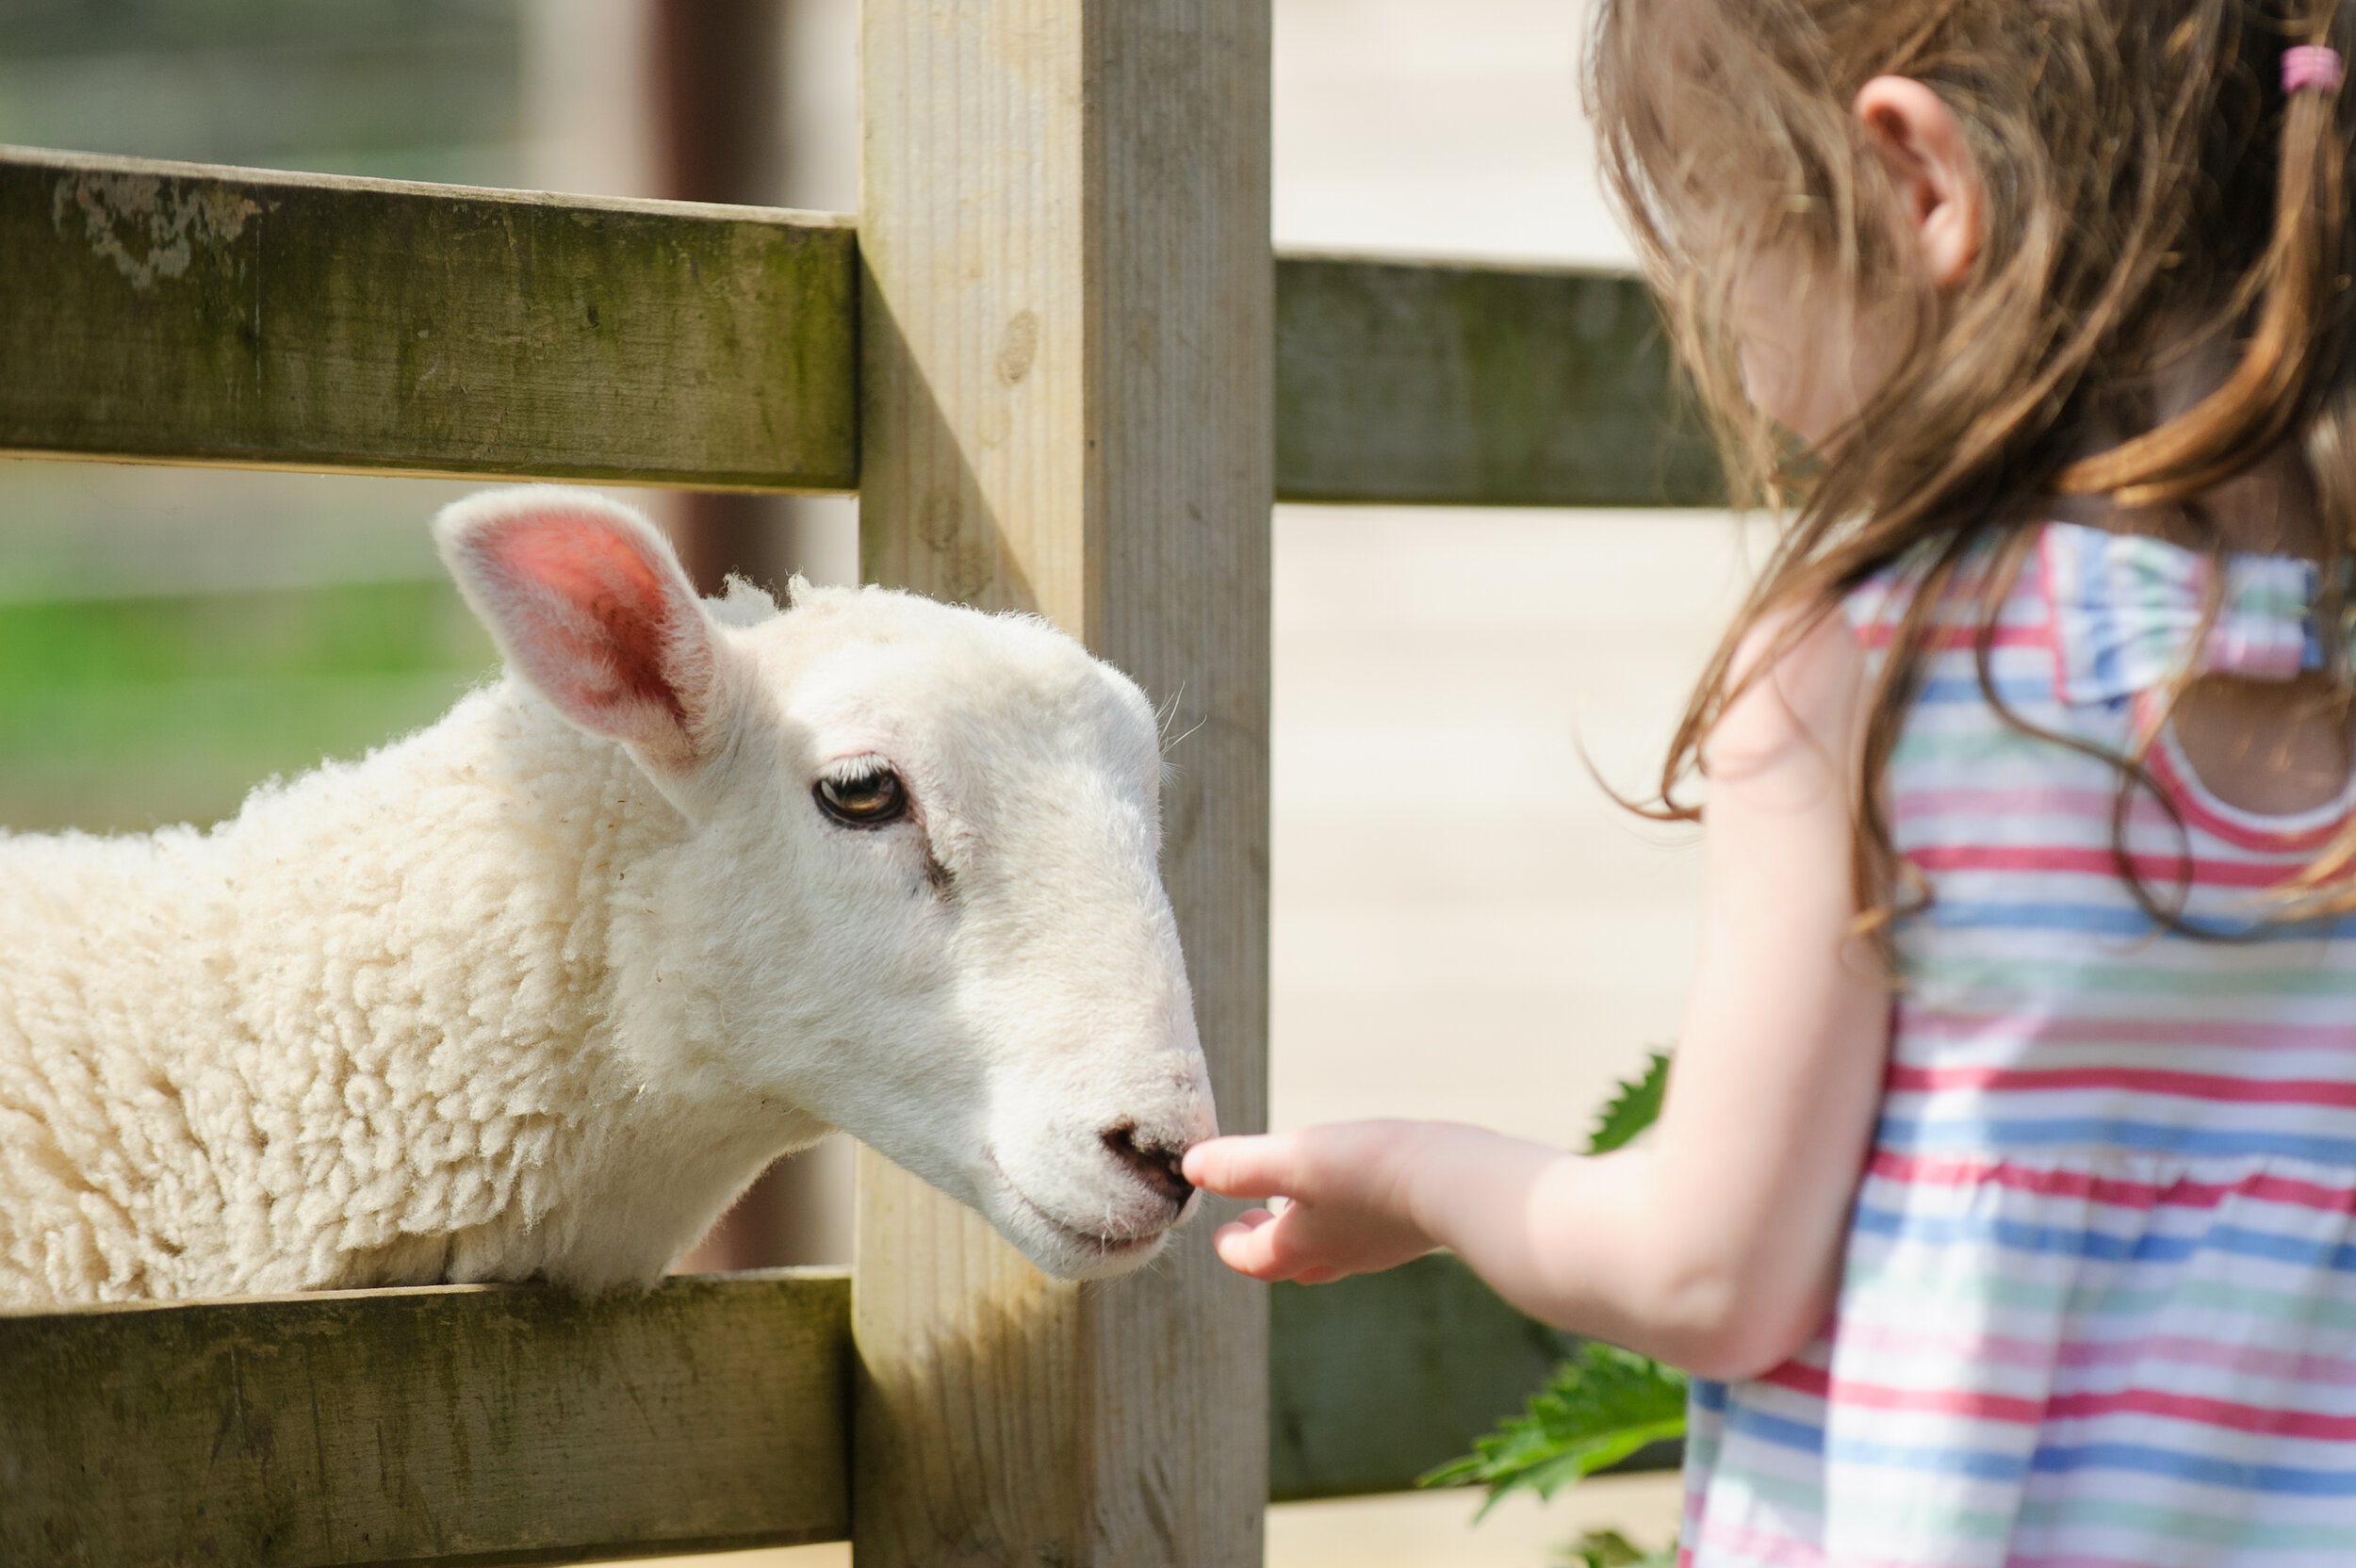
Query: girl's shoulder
x,y
1796,680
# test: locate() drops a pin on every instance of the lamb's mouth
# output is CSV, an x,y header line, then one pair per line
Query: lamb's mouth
x,y
1095,1242
1091,1241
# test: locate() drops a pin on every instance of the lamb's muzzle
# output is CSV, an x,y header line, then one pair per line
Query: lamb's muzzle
x,y
536,990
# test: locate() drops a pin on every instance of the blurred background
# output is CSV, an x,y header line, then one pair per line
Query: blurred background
x,y
1464,924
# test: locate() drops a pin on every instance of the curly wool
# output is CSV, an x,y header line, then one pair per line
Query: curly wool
x,y
355,1036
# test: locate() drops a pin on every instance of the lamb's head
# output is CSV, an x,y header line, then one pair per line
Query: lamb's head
x,y
915,894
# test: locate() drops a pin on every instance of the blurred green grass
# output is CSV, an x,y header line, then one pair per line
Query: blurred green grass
x,y
123,713
170,637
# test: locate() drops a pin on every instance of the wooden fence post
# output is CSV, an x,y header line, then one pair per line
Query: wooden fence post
x,y
1067,326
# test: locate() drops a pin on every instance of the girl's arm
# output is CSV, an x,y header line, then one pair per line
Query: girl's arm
x,y
1716,1244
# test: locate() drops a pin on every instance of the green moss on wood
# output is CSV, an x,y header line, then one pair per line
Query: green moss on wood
x,y
177,313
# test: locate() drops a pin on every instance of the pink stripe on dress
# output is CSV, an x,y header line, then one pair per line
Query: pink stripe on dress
x,y
1943,1402
1936,1171
2218,1087
2156,870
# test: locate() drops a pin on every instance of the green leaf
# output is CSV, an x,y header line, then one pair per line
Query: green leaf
x,y
1611,1549
1633,1109
1599,1407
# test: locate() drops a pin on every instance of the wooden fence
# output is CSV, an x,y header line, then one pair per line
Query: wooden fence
x,y
463,1424
167,313
1050,355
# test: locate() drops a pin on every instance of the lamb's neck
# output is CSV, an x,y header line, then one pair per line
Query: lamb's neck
x,y
495,1117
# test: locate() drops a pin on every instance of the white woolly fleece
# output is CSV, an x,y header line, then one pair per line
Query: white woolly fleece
x,y
513,999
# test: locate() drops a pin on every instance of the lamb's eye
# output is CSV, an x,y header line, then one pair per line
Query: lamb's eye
x,y
863,800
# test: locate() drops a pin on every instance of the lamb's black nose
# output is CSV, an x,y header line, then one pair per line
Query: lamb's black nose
x,y
1154,1164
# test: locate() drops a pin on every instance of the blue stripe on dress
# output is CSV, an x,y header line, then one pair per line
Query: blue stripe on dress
x,y
2102,1247
1948,1459
1977,1134
2144,1458
2019,693
2124,919
1807,1437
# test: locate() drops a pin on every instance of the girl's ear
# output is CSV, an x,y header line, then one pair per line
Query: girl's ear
x,y
1920,142
586,601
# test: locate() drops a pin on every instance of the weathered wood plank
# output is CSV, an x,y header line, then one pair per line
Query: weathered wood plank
x,y
182,314
1413,382
466,1425
1067,409
453,1425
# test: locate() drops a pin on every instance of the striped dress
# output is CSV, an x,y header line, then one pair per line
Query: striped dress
x,y
2099,1302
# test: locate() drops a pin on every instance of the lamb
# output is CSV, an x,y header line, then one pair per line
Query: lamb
x,y
535,992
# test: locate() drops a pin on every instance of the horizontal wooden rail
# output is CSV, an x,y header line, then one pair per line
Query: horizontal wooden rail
x,y
453,1425
1424,382
175,313
472,1424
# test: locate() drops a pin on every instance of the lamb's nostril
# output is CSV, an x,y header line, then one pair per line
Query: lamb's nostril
x,y
1157,1164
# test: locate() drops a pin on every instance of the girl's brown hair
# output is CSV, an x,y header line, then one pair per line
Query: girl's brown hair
x,y
2143,174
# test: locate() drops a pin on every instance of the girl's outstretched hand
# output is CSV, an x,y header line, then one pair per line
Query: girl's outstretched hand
x,y
1717,1243
1347,1208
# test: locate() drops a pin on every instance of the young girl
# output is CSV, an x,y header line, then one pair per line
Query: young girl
x,y
2005,1189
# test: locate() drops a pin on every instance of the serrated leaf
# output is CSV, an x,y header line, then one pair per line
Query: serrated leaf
x,y
1611,1549
1635,1107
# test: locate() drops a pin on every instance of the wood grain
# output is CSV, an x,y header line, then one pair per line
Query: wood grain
x,y
1417,382
1068,298
184,314
452,1424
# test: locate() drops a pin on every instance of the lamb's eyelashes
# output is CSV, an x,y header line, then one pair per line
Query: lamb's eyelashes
x,y
870,796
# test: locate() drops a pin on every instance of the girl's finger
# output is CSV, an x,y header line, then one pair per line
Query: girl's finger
x,y
1250,1166
1249,1249
1243,1224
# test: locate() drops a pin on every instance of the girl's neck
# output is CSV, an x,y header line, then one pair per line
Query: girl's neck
x,y
2269,508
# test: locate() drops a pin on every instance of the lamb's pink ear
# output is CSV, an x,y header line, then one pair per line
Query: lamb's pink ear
x,y
587,602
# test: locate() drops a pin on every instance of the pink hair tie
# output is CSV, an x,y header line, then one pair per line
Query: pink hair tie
x,y
2311,65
